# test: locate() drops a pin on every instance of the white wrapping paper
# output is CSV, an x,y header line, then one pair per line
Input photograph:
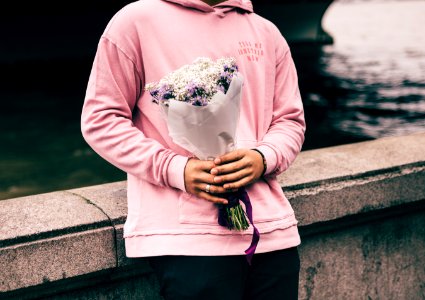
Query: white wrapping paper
x,y
207,131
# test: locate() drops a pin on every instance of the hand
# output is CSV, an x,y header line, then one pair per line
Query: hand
x,y
196,178
237,168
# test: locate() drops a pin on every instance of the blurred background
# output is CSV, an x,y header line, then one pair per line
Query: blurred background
x,y
361,75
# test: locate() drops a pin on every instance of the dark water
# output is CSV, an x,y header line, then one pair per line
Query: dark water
x,y
369,84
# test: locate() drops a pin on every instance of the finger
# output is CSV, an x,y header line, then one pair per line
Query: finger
x,y
237,184
204,178
231,177
229,167
213,189
201,164
229,157
206,165
212,198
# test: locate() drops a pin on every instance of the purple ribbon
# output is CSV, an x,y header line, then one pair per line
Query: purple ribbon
x,y
233,199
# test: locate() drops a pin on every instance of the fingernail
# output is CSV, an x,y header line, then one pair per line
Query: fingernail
x,y
217,179
214,172
217,161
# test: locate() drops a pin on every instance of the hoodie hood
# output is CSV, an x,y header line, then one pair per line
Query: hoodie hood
x,y
223,7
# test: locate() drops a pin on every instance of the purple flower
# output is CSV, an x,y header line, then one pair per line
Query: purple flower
x,y
194,83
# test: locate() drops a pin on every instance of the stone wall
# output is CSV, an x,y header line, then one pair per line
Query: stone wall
x,y
361,209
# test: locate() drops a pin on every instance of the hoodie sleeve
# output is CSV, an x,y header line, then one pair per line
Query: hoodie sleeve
x,y
106,122
285,136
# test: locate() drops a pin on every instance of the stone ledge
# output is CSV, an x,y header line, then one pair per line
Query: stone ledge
x,y
65,256
111,199
49,237
328,202
48,215
354,161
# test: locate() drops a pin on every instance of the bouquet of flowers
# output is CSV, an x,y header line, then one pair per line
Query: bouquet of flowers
x,y
201,103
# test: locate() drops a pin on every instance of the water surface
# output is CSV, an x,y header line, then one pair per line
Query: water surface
x,y
372,79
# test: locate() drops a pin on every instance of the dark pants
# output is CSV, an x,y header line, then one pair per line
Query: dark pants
x,y
272,275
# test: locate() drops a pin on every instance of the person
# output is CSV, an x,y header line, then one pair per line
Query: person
x,y
172,196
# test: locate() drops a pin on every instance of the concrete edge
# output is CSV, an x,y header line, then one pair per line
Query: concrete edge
x,y
354,160
337,200
49,215
48,260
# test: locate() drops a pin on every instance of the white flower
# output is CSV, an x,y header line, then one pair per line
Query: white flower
x,y
196,82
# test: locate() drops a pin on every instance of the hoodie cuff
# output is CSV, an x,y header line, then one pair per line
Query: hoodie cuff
x,y
270,156
175,172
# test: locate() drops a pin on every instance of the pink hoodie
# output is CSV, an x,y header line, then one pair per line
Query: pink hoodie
x,y
143,42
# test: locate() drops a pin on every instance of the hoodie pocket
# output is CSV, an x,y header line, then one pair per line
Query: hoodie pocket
x,y
267,200
194,210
